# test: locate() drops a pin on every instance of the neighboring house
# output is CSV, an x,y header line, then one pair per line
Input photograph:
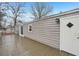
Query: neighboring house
x,y
60,31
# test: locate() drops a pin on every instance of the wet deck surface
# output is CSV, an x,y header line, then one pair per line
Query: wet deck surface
x,y
13,45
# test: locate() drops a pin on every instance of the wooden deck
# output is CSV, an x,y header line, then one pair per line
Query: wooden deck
x,y
13,45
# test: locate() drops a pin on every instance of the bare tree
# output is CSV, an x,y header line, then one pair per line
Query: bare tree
x,y
17,11
2,14
40,10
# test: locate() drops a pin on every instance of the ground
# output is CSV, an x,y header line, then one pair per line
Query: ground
x,y
14,45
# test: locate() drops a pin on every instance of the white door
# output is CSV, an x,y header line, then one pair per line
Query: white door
x,y
69,35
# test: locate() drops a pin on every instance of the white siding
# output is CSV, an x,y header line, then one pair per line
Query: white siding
x,y
69,36
44,31
48,32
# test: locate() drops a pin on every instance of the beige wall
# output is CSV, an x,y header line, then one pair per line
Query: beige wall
x,y
44,31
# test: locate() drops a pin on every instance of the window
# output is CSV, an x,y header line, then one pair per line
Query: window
x,y
30,28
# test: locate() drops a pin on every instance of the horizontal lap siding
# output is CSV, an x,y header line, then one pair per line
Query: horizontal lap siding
x,y
45,31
